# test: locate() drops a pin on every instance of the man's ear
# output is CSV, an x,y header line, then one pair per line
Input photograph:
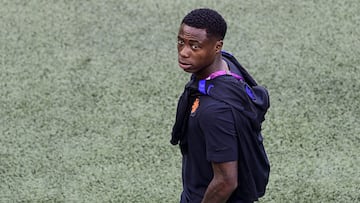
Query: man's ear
x,y
218,46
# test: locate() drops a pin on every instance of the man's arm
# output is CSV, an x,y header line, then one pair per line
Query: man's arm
x,y
224,182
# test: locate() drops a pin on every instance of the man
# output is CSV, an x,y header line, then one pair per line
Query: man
x,y
205,126
210,165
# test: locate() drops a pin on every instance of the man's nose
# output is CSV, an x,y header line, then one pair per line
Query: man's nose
x,y
184,52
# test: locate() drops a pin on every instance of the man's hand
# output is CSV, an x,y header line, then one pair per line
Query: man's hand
x,y
224,182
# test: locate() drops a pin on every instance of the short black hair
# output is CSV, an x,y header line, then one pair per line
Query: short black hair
x,y
205,18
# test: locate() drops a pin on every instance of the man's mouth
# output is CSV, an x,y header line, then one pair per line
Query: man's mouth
x,y
184,65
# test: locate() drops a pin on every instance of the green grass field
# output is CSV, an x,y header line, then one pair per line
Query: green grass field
x,y
88,93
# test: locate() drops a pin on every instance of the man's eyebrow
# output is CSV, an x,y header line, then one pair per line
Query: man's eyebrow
x,y
194,41
191,40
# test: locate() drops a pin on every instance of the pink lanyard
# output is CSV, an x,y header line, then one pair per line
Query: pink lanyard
x,y
202,83
223,72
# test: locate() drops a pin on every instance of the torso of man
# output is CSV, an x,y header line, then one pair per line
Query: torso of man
x,y
211,137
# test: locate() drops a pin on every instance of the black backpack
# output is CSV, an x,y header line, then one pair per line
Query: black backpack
x,y
254,167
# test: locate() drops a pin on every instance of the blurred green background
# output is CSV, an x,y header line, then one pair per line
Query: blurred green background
x,y
88,93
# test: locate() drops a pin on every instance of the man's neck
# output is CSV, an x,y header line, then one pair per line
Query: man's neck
x,y
219,64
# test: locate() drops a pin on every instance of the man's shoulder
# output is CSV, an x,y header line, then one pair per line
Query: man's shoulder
x,y
210,108
211,103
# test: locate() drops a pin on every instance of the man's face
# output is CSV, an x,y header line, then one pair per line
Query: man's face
x,y
195,50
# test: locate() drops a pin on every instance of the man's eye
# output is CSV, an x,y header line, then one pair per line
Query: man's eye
x,y
195,46
181,42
